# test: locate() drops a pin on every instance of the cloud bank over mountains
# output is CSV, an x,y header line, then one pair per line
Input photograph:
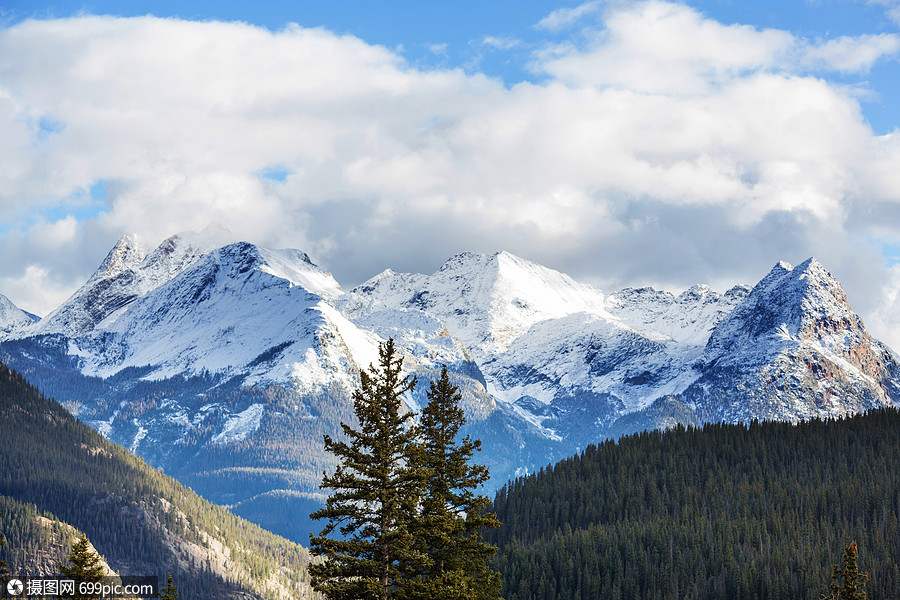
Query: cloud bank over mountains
x,y
654,146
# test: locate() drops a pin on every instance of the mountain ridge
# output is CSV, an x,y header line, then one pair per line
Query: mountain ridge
x,y
227,365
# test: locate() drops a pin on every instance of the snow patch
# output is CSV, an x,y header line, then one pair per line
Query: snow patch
x,y
140,435
240,425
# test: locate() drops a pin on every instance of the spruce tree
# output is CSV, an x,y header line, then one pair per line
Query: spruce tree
x,y
847,583
169,592
84,564
365,541
451,515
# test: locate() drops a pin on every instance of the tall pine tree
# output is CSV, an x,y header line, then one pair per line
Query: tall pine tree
x,y
451,514
847,583
170,592
375,491
84,565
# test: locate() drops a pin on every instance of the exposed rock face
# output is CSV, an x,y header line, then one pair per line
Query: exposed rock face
x,y
792,350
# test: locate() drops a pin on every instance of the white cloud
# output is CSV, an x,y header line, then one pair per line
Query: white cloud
x,y
500,42
885,319
661,47
438,49
892,7
853,54
664,146
565,17
39,285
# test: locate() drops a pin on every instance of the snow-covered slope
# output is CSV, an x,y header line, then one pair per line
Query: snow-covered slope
x,y
578,364
13,320
687,318
532,342
242,311
487,300
544,341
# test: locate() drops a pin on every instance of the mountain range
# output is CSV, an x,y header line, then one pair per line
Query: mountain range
x,y
226,365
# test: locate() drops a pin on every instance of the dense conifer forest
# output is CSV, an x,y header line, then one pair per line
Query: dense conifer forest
x,y
58,476
724,511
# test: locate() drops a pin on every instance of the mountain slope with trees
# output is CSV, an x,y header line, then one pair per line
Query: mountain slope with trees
x,y
726,511
57,476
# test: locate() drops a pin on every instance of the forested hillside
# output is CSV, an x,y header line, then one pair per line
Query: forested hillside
x,y
57,474
726,511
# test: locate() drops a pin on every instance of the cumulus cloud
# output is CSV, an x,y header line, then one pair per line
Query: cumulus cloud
x,y
662,47
661,147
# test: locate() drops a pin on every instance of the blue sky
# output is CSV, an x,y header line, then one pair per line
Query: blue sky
x,y
419,29
625,143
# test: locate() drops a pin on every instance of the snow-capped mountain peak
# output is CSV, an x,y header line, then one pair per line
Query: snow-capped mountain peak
x,y
127,273
196,349
128,253
788,301
12,318
794,349
487,300
687,318
240,310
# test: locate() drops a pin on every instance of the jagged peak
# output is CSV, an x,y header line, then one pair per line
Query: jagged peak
x,y
241,251
496,264
788,300
738,291
128,252
247,253
177,252
465,259
289,264
387,275
808,274
642,294
780,269
811,268
695,293
809,263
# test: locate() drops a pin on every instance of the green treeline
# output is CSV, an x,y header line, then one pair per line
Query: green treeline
x,y
724,511
53,466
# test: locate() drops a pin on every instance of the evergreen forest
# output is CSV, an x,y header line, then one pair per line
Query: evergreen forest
x,y
743,512
58,477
